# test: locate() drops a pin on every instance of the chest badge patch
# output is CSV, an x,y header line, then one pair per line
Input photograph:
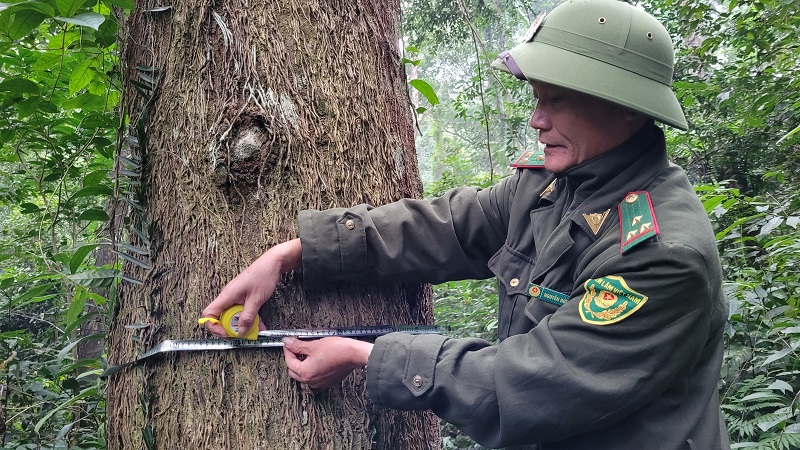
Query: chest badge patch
x,y
547,295
608,300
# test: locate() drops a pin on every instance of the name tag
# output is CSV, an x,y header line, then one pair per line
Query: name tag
x,y
547,295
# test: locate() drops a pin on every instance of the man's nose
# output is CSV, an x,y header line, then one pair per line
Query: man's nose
x,y
539,120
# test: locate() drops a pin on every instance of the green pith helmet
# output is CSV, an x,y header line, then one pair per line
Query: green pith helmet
x,y
605,48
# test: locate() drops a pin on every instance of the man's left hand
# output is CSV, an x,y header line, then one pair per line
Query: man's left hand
x,y
325,362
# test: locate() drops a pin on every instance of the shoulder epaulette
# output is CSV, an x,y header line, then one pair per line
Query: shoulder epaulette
x,y
530,159
637,220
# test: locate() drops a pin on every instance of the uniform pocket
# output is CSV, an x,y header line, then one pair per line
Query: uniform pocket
x,y
512,269
513,272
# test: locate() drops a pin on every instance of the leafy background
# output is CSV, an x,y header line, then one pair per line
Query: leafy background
x,y
64,175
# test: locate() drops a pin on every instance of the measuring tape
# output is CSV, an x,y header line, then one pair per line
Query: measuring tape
x,y
265,339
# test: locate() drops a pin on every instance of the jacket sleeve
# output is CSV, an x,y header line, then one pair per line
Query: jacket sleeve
x,y
566,376
450,237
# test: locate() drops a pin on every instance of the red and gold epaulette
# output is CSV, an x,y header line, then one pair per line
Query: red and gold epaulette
x,y
637,220
529,159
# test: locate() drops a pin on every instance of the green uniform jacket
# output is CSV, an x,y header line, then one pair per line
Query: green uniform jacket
x,y
558,379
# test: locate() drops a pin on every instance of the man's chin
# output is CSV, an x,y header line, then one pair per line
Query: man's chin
x,y
556,166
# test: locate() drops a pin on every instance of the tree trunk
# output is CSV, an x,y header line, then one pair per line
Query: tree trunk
x,y
258,110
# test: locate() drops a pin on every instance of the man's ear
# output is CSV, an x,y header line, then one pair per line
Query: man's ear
x,y
633,116
635,120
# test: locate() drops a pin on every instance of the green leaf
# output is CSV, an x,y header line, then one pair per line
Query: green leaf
x,y
133,204
135,261
106,35
80,320
53,176
76,307
81,76
91,191
789,134
133,249
21,23
90,19
47,106
91,392
126,4
426,90
149,80
19,86
29,208
147,87
85,101
35,291
28,106
780,385
129,162
13,8
773,223
738,222
143,235
94,214
132,280
711,202
94,178
60,441
757,396
777,355
68,8
79,255
98,278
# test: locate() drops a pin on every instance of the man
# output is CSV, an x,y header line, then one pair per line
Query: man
x,y
611,310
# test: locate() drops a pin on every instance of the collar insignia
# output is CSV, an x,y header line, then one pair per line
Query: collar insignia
x,y
548,189
530,159
637,220
595,220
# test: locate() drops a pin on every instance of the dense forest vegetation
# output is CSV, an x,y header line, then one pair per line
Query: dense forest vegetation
x,y
65,173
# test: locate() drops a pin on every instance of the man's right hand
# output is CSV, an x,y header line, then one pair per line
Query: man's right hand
x,y
254,286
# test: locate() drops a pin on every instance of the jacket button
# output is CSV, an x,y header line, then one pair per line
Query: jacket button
x,y
349,224
514,282
417,381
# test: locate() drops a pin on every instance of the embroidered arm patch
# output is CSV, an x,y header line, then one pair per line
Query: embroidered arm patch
x,y
608,300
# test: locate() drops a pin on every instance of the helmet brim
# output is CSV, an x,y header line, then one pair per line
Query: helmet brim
x,y
546,63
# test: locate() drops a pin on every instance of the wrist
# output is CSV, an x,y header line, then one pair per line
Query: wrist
x,y
359,353
288,255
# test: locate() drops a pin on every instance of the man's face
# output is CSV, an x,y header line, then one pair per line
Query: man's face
x,y
575,127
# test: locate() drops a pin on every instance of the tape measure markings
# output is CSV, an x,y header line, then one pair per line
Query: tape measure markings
x,y
270,339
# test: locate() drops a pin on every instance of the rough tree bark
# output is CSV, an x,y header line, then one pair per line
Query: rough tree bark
x,y
258,109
